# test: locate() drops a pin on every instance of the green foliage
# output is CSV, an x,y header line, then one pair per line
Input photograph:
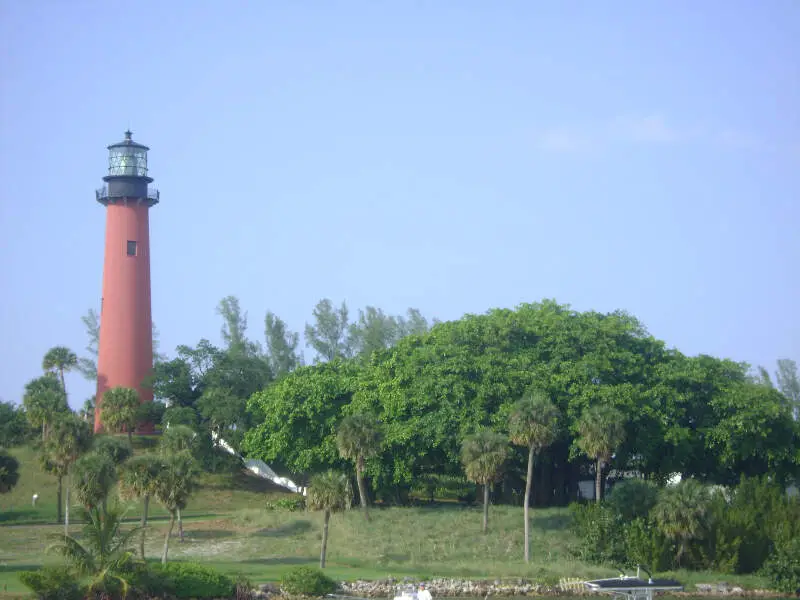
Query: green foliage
x,y
180,416
599,533
178,438
117,450
783,566
484,454
644,544
119,409
291,504
330,491
681,513
52,583
102,552
9,472
633,498
93,476
193,580
150,412
14,428
307,581
301,411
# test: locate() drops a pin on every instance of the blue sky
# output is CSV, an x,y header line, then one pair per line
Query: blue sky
x,y
451,156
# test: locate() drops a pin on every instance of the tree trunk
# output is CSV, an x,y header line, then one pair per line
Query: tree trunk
x,y
598,481
361,491
144,524
527,504
58,500
66,507
180,526
324,539
130,436
63,383
485,507
166,538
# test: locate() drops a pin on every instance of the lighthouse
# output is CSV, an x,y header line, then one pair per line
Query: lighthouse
x,y
125,348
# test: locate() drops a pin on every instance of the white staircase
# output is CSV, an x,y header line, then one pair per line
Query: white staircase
x,y
259,468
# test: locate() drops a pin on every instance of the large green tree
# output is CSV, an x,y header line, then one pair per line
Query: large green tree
x,y
9,472
300,414
789,383
138,480
328,335
173,487
281,345
44,401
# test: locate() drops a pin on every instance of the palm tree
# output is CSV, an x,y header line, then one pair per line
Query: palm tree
x,y
102,553
69,438
358,438
138,480
43,401
93,477
172,488
533,423
178,438
331,492
120,409
483,455
60,359
601,430
87,410
680,513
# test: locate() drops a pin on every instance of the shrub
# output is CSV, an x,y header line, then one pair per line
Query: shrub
x,y
307,581
633,498
646,545
783,567
191,580
289,504
52,583
599,532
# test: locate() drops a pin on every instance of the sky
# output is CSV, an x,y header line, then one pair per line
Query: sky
x,y
449,156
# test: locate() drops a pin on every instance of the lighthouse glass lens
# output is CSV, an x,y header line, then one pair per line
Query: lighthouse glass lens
x,y
129,162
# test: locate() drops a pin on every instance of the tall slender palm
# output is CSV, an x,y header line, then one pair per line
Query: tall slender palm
x,y
102,553
173,487
601,430
330,492
120,410
533,423
680,513
358,438
60,359
69,438
484,455
178,438
138,480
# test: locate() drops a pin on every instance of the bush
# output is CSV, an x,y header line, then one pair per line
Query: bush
x,y
599,532
288,504
646,545
191,580
116,449
307,581
783,567
633,498
52,583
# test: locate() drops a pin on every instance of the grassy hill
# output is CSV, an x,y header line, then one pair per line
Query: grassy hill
x,y
217,494
228,526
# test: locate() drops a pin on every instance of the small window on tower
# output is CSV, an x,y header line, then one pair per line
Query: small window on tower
x,y
131,248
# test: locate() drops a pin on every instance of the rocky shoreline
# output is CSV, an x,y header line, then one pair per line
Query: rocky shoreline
x,y
472,588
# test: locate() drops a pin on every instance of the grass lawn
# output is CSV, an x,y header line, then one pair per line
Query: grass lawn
x,y
227,526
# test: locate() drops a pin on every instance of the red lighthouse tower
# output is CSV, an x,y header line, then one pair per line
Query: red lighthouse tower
x,y
125,349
